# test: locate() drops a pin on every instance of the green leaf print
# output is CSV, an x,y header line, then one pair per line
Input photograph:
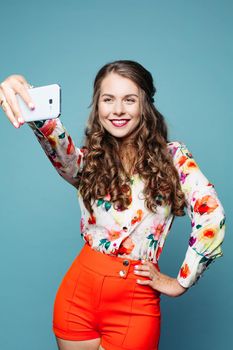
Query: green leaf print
x,y
107,205
107,244
153,241
103,241
131,180
100,202
198,226
222,222
62,136
203,259
39,123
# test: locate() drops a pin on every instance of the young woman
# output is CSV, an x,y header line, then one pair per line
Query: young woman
x,y
132,181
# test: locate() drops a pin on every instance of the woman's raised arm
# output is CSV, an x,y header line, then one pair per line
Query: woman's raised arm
x,y
67,159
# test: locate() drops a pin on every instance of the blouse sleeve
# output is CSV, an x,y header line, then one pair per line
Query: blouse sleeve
x,y
207,217
67,159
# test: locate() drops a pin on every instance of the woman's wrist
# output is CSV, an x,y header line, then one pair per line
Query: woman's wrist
x,y
178,288
168,285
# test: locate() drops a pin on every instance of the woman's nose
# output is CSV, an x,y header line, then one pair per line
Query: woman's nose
x,y
118,108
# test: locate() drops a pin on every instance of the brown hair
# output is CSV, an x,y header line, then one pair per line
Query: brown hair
x,y
103,172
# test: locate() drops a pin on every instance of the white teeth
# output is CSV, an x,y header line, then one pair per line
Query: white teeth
x,y
119,122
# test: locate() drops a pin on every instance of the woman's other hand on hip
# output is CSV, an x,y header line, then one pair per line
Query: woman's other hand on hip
x,y
157,280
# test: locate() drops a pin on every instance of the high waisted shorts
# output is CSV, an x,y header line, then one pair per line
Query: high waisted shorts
x,y
100,298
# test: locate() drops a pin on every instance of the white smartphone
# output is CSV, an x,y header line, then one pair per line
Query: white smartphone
x,y
47,100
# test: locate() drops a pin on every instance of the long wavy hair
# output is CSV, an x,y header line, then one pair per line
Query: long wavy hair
x,y
103,172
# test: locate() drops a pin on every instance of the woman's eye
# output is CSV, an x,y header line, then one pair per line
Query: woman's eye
x,y
128,100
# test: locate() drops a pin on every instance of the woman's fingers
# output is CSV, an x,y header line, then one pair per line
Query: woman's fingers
x,y
22,80
146,270
146,266
145,282
15,108
22,90
143,273
12,79
19,86
7,110
15,84
12,102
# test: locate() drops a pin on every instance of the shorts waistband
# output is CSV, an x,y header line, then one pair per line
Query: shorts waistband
x,y
108,265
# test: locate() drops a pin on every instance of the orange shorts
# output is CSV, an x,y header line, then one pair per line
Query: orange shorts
x,y
100,298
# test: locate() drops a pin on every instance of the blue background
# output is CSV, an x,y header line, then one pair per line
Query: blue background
x,y
187,46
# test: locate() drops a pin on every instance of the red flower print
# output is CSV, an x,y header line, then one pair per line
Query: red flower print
x,y
113,234
92,220
209,233
158,252
157,230
182,160
79,159
206,204
84,150
107,197
210,184
56,164
137,217
192,164
48,128
126,246
184,271
70,147
89,239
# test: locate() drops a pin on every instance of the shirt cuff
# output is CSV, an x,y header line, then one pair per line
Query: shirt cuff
x,y
193,266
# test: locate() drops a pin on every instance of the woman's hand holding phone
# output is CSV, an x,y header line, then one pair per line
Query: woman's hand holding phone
x,y
15,84
23,103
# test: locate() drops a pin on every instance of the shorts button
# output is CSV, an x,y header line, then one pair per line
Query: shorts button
x,y
125,262
122,273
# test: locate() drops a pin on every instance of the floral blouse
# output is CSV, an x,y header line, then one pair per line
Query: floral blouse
x,y
137,233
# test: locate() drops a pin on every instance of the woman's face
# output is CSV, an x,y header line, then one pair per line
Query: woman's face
x,y
118,105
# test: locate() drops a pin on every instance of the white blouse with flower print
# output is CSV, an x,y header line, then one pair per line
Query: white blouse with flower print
x,y
137,233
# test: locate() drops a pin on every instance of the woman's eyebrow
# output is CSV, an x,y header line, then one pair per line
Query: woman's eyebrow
x,y
123,96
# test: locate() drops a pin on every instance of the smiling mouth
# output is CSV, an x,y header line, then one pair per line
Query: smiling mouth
x,y
119,122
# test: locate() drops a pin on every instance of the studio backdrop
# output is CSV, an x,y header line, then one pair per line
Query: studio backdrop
x,y
187,46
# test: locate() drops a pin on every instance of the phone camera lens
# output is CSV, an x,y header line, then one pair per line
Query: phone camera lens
x,y
50,101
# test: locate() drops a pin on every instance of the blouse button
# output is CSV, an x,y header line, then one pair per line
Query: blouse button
x,y
122,273
125,262
141,195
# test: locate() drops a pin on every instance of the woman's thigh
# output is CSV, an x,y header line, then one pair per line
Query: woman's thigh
x,y
129,315
92,344
74,318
